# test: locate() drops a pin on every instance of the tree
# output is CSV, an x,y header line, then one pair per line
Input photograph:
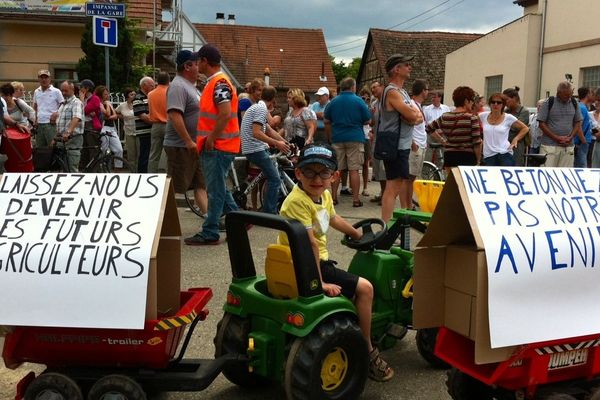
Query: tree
x,y
341,70
126,62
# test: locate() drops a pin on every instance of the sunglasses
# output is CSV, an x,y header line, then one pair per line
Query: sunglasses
x,y
496,102
311,173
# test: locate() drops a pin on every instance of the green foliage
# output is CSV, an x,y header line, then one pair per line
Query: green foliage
x,y
341,70
126,62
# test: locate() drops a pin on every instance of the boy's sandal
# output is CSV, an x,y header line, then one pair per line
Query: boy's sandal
x,y
365,193
357,203
379,370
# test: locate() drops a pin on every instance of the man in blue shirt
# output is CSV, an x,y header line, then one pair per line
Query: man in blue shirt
x,y
586,97
344,118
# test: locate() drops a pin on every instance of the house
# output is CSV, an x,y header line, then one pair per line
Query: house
x,y
48,36
554,41
294,58
428,48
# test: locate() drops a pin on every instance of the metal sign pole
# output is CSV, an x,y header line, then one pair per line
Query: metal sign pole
x,y
106,68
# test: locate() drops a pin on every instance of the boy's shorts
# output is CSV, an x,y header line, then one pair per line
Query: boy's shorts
x,y
344,279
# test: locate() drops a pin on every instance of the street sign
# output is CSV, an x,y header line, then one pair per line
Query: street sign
x,y
105,31
115,10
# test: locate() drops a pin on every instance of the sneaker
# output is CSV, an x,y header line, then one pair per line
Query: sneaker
x,y
346,192
198,240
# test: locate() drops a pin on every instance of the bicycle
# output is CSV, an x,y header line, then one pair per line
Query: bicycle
x,y
433,170
103,161
241,190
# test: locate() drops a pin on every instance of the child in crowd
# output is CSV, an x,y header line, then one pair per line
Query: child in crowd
x,y
312,205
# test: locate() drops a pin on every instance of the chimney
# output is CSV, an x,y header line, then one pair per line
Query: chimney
x,y
231,19
220,18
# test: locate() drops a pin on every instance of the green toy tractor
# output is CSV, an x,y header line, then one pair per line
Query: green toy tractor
x,y
291,332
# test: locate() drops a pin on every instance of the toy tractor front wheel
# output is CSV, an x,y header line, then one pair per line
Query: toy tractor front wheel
x,y
329,363
232,338
426,345
54,386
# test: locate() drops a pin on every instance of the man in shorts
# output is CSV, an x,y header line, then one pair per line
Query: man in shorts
x,y
183,164
344,118
397,112
312,205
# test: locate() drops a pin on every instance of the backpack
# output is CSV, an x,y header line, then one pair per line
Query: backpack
x,y
551,103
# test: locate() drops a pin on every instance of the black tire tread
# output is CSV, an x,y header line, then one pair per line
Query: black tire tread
x,y
464,387
118,383
425,339
66,386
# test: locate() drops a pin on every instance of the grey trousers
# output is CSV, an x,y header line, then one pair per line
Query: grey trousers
x,y
157,136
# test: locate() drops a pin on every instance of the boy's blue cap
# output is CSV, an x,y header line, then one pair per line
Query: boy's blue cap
x,y
319,153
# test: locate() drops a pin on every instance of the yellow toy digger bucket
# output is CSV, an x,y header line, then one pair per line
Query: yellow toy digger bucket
x,y
427,194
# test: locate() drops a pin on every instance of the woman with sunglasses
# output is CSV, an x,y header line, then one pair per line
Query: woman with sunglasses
x,y
497,148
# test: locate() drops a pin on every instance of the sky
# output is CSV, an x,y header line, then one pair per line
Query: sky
x,y
346,23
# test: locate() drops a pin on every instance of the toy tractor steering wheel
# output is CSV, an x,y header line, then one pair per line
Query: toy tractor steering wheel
x,y
369,238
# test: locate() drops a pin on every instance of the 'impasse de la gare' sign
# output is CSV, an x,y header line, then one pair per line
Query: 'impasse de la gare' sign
x,y
115,10
541,231
75,248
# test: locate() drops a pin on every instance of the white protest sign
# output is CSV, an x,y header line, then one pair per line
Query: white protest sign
x,y
541,231
75,248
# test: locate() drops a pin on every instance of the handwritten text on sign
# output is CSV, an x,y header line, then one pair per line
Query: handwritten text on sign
x,y
75,248
541,231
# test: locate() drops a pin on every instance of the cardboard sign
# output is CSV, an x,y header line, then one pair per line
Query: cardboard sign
x,y
75,249
540,228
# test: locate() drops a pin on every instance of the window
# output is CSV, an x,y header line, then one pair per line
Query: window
x,y
493,84
62,74
591,77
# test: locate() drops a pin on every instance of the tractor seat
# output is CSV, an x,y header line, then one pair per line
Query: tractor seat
x,y
279,268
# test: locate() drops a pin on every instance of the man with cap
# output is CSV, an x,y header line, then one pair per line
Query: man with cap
x,y
218,142
319,107
183,163
46,100
397,109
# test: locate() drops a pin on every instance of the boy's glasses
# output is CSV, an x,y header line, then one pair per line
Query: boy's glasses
x,y
311,173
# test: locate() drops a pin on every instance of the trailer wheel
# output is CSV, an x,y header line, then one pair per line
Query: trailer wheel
x,y
329,363
116,387
464,387
53,386
232,337
426,345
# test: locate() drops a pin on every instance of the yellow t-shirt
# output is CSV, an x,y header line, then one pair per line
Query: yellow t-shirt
x,y
299,206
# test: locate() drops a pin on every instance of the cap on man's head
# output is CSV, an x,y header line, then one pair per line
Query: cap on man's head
x,y
211,53
86,83
184,56
42,72
322,90
318,153
396,59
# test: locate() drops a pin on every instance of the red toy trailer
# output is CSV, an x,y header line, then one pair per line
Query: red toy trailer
x,y
115,361
567,367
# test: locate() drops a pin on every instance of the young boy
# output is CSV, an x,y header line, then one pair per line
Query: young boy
x,y
312,205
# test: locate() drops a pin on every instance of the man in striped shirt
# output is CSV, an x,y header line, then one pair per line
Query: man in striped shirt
x,y
143,124
256,137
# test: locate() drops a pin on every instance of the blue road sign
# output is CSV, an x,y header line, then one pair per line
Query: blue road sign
x,y
105,32
115,10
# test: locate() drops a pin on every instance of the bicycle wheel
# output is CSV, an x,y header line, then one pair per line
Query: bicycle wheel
x,y
431,172
191,202
106,165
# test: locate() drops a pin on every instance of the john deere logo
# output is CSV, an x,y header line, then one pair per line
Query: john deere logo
x,y
154,341
314,284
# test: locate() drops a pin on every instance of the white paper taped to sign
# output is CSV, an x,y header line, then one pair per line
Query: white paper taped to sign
x,y
75,248
541,231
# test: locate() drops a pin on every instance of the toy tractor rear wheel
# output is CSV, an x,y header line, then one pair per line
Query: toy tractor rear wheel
x,y
426,345
329,363
116,387
232,337
53,386
464,387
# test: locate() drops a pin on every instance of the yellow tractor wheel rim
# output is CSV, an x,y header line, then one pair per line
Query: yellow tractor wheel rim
x,y
333,370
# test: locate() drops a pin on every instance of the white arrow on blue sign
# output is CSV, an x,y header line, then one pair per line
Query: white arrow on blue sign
x,y
105,31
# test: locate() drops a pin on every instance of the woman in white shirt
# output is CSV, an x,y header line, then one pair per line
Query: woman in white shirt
x,y
496,124
125,112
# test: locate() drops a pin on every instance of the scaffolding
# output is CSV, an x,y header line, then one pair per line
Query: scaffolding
x,y
167,36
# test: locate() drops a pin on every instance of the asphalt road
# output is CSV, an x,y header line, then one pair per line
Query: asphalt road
x,y
209,267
